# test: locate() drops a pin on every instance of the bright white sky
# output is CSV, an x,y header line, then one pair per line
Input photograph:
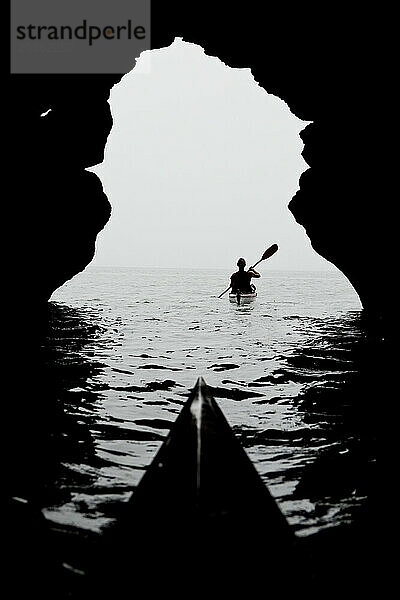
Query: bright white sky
x,y
200,166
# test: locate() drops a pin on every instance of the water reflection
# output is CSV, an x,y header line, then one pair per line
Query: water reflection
x,y
54,421
304,407
52,452
339,402
325,378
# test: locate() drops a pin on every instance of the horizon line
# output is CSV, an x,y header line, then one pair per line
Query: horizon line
x,y
205,268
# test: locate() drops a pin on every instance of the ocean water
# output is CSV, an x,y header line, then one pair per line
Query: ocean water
x,y
125,345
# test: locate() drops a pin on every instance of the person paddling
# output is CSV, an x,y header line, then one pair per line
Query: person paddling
x,y
241,280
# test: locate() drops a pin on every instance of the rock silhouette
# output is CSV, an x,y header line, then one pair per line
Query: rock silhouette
x,y
320,66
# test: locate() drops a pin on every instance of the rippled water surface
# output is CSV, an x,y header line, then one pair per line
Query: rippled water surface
x,y
125,345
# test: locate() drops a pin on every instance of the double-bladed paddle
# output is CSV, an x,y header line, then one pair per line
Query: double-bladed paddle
x,y
269,252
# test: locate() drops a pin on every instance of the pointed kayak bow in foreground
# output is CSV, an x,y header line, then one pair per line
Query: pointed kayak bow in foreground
x,y
200,519
201,474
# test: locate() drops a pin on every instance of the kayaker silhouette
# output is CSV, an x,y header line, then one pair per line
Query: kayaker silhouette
x,y
241,280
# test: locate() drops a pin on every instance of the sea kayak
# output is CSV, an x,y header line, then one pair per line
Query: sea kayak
x,y
242,298
201,479
201,517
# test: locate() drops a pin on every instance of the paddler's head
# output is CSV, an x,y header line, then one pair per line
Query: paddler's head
x,y
241,263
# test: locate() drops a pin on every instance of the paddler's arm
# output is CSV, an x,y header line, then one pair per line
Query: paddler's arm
x,y
254,273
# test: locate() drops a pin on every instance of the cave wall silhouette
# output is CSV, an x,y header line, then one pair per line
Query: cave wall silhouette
x,y
319,62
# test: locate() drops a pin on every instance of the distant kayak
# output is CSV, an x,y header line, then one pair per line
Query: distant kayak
x,y
239,298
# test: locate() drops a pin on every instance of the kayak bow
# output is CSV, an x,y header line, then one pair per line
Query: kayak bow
x,y
200,510
201,475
